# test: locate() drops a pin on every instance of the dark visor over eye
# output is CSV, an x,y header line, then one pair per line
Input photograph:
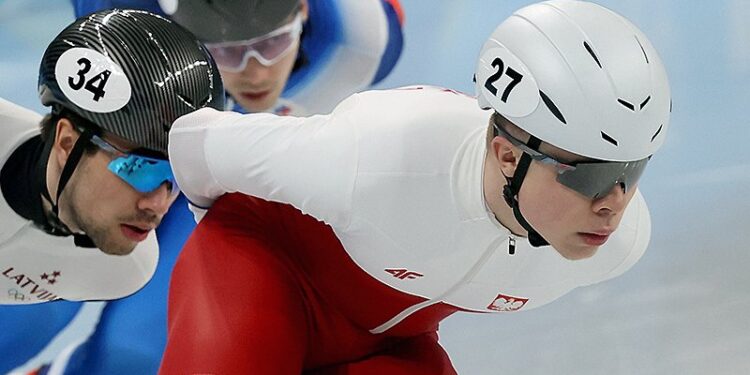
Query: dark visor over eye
x,y
595,180
145,174
590,179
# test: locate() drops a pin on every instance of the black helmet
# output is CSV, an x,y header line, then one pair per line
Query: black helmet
x,y
130,72
217,21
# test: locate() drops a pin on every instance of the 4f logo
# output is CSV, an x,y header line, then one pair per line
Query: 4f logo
x,y
507,303
403,273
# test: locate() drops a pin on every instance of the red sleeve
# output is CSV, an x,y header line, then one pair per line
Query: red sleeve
x,y
233,307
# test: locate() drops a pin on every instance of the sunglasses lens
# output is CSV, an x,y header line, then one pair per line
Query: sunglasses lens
x,y
595,180
273,48
144,174
267,49
228,57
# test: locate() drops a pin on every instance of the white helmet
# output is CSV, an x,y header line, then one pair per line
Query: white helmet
x,y
577,76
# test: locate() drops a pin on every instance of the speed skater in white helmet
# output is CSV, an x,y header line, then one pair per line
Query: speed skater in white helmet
x,y
431,203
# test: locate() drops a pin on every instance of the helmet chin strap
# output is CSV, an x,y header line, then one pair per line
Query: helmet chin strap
x,y
54,225
513,187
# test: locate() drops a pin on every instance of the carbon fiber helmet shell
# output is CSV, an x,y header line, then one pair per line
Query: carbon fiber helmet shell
x,y
590,81
218,21
130,72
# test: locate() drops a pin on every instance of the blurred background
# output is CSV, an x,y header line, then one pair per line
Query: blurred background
x,y
683,309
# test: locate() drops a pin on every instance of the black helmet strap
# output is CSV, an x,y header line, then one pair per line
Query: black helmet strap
x,y
55,225
513,187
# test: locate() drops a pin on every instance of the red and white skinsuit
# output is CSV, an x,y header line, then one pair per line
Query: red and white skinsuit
x,y
404,239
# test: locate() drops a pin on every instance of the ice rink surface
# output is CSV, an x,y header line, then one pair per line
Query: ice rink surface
x,y
685,307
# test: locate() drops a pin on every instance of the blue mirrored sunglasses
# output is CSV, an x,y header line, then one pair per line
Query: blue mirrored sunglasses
x,y
145,174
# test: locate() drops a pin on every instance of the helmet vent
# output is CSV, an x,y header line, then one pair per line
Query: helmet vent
x,y
626,104
642,50
591,52
609,139
670,105
645,101
552,107
657,132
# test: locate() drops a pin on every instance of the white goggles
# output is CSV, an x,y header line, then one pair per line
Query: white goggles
x,y
268,49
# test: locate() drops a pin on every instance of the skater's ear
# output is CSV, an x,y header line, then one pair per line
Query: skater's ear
x,y
501,149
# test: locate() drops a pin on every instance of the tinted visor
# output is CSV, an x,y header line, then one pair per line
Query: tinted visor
x,y
590,179
595,180
143,173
